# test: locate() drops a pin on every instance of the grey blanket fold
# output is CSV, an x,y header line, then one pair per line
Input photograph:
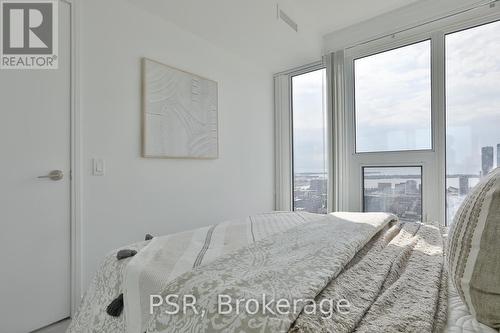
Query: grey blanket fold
x,y
392,283
291,268
397,286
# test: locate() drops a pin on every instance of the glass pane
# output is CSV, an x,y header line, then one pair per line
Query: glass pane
x,y
309,137
396,190
393,99
472,110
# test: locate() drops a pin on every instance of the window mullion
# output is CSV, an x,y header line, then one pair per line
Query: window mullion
x,y
436,204
283,144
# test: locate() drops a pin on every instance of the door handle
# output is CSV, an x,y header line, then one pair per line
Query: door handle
x,y
54,175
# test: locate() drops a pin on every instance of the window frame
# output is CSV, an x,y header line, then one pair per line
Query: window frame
x,y
355,57
456,28
314,68
344,163
428,159
284,169
433,161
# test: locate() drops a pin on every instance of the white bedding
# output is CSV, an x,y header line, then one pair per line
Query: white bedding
x,y
459,318
107,283
178,253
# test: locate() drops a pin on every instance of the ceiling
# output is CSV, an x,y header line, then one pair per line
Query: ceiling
x,y
250,28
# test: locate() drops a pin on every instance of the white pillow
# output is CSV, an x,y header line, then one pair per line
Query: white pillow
x,y
474,251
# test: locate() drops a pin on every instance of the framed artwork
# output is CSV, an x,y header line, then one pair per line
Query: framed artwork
x,y
179,111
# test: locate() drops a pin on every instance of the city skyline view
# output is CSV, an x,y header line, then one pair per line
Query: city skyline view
x,y
402,118
397,190
384,191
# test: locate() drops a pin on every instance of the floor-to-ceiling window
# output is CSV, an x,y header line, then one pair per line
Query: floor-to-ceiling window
x,y
309,141
414,123
472,109
391,147
423,119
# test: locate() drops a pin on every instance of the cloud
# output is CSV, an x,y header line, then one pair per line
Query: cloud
x,y
309,117
393,99
472,95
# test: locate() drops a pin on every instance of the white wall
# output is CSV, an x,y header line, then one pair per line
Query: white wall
x,y
160,196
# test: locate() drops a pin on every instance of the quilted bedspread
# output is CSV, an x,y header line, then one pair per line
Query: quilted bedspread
x,y
347,272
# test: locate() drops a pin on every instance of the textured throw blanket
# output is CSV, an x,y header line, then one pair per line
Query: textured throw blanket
x,y
395,284
185,250
167,257
390,277
286,268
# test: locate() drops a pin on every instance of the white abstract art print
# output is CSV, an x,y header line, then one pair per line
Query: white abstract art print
x,y
179,113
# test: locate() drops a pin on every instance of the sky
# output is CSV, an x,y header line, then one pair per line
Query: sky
x,y
393,99
309,137
473,96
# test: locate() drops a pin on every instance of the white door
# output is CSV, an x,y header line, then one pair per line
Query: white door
x,y
35,212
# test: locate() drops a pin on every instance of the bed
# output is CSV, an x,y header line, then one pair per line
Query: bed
x,y
459,318
377,274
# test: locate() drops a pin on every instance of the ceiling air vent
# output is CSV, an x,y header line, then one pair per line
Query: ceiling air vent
x,y
285,18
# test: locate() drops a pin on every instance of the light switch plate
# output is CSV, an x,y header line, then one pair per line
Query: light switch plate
x,y
98,168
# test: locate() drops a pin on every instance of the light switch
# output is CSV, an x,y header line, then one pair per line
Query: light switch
x,y
98,168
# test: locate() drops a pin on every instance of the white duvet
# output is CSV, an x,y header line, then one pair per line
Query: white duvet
x,y
108,282
459,318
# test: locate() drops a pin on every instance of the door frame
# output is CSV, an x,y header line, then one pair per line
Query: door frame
x,y
75,160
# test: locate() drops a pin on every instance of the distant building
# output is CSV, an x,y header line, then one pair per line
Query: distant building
x,y
406,207
385,187
318,185
464,185
411,187
498,155
400,188
453,191
486,160
309,193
